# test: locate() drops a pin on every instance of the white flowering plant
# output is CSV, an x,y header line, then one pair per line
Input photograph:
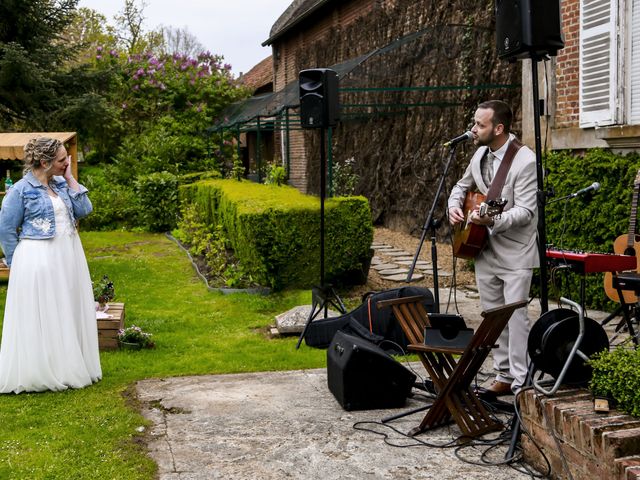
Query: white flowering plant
x,y
134,334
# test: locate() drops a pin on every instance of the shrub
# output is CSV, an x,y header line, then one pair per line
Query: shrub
x,y
616,375
115,206
343,179
158,194
276,175
274,232
590,222
210,244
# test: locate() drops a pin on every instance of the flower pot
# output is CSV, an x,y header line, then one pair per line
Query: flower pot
x,y
129,346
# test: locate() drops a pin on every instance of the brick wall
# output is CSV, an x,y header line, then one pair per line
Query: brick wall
x,y
595,445
567,68
287,65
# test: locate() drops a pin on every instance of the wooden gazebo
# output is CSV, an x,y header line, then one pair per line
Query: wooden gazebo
x,y
12,145
12,148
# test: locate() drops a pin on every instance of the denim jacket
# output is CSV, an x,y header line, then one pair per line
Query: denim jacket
x,y
27,211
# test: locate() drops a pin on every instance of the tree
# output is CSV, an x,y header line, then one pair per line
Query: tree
x,y
179,41
129,28
32,50
89,31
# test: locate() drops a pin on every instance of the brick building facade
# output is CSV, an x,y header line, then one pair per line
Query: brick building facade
x,y
592,88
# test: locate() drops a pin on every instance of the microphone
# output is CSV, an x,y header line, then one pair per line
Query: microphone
x,y
593,187
462,138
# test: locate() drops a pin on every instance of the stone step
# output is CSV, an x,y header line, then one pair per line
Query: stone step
x,y
402,277
384,266
393,271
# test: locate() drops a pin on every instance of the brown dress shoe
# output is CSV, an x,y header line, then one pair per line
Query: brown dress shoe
x,y
499,388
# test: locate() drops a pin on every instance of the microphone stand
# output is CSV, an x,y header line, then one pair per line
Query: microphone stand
x,y
431,225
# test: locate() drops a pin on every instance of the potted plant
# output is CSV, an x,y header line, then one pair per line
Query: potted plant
x,y
103,291
134,338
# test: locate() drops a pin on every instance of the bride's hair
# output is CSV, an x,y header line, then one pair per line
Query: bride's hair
x,y
40,149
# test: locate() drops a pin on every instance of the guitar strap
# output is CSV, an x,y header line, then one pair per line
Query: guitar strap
x,y
501,175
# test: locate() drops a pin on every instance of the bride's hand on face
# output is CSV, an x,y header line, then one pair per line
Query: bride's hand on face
x,y
67,172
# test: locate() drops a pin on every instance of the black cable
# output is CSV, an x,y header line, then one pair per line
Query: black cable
x,y
475,444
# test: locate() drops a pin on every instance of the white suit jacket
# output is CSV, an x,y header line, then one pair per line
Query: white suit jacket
x,y
513,238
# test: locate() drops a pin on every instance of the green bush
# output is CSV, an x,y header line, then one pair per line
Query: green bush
x,y
276,175
589,222
209,243
114,206
158,196
275,231
616,375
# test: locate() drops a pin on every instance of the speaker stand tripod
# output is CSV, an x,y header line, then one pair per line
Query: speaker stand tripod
x,y
542,230
323,295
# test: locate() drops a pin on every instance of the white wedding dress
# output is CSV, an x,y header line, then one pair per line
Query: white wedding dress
x,y
50,333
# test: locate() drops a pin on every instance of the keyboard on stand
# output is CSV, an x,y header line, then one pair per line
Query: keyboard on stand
x,y
591,262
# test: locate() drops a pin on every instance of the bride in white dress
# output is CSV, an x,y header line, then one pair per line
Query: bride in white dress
x,y
49,333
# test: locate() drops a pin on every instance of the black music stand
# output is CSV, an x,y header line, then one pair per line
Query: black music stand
x,y
432,225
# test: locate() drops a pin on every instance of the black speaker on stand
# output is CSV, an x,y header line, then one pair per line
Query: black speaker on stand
x,y
362,376
319,109
528,27
531,29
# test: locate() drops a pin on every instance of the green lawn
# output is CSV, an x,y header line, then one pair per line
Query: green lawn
x,y
91,433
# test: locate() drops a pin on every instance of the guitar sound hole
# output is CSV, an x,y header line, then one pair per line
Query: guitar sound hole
x,y
630,251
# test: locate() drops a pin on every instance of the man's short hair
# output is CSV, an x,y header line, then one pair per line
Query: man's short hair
x,y
501,113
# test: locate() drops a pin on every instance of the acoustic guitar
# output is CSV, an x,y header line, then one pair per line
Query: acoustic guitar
x,y
627,244
468,238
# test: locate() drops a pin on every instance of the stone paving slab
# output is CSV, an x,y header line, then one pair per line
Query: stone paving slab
x,y
294,320
401,277
393,271
407,258
419,263
397,254
383,266
277,425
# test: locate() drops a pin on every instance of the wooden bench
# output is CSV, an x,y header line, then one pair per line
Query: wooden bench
x,y
108,327
4,273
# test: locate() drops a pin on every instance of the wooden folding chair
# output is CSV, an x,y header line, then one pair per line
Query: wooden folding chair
x,y
452,379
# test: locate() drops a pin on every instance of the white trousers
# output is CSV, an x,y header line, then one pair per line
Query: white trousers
x,y
499,287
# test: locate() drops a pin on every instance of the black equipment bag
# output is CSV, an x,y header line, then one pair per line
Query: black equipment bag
x,y
368,322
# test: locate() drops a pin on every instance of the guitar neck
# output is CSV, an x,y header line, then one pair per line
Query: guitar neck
x,y
632,219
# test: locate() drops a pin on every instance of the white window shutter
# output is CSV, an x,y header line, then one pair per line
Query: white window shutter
x,y
634,67
598,62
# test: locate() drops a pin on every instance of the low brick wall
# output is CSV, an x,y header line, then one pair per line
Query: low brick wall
x,y
595,445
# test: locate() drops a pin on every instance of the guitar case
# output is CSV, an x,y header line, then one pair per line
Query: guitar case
x,y
367,321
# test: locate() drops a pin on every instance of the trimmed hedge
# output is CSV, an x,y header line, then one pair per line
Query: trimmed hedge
x,y
275,231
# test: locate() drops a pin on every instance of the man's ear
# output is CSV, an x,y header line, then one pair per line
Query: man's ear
x,y
499,129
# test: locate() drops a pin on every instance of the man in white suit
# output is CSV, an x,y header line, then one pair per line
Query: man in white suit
x,y
505,265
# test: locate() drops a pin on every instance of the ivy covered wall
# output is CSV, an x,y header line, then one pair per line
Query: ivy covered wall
x,y
395,132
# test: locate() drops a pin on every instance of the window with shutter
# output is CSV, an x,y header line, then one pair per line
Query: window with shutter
x,y
634,67
598,62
